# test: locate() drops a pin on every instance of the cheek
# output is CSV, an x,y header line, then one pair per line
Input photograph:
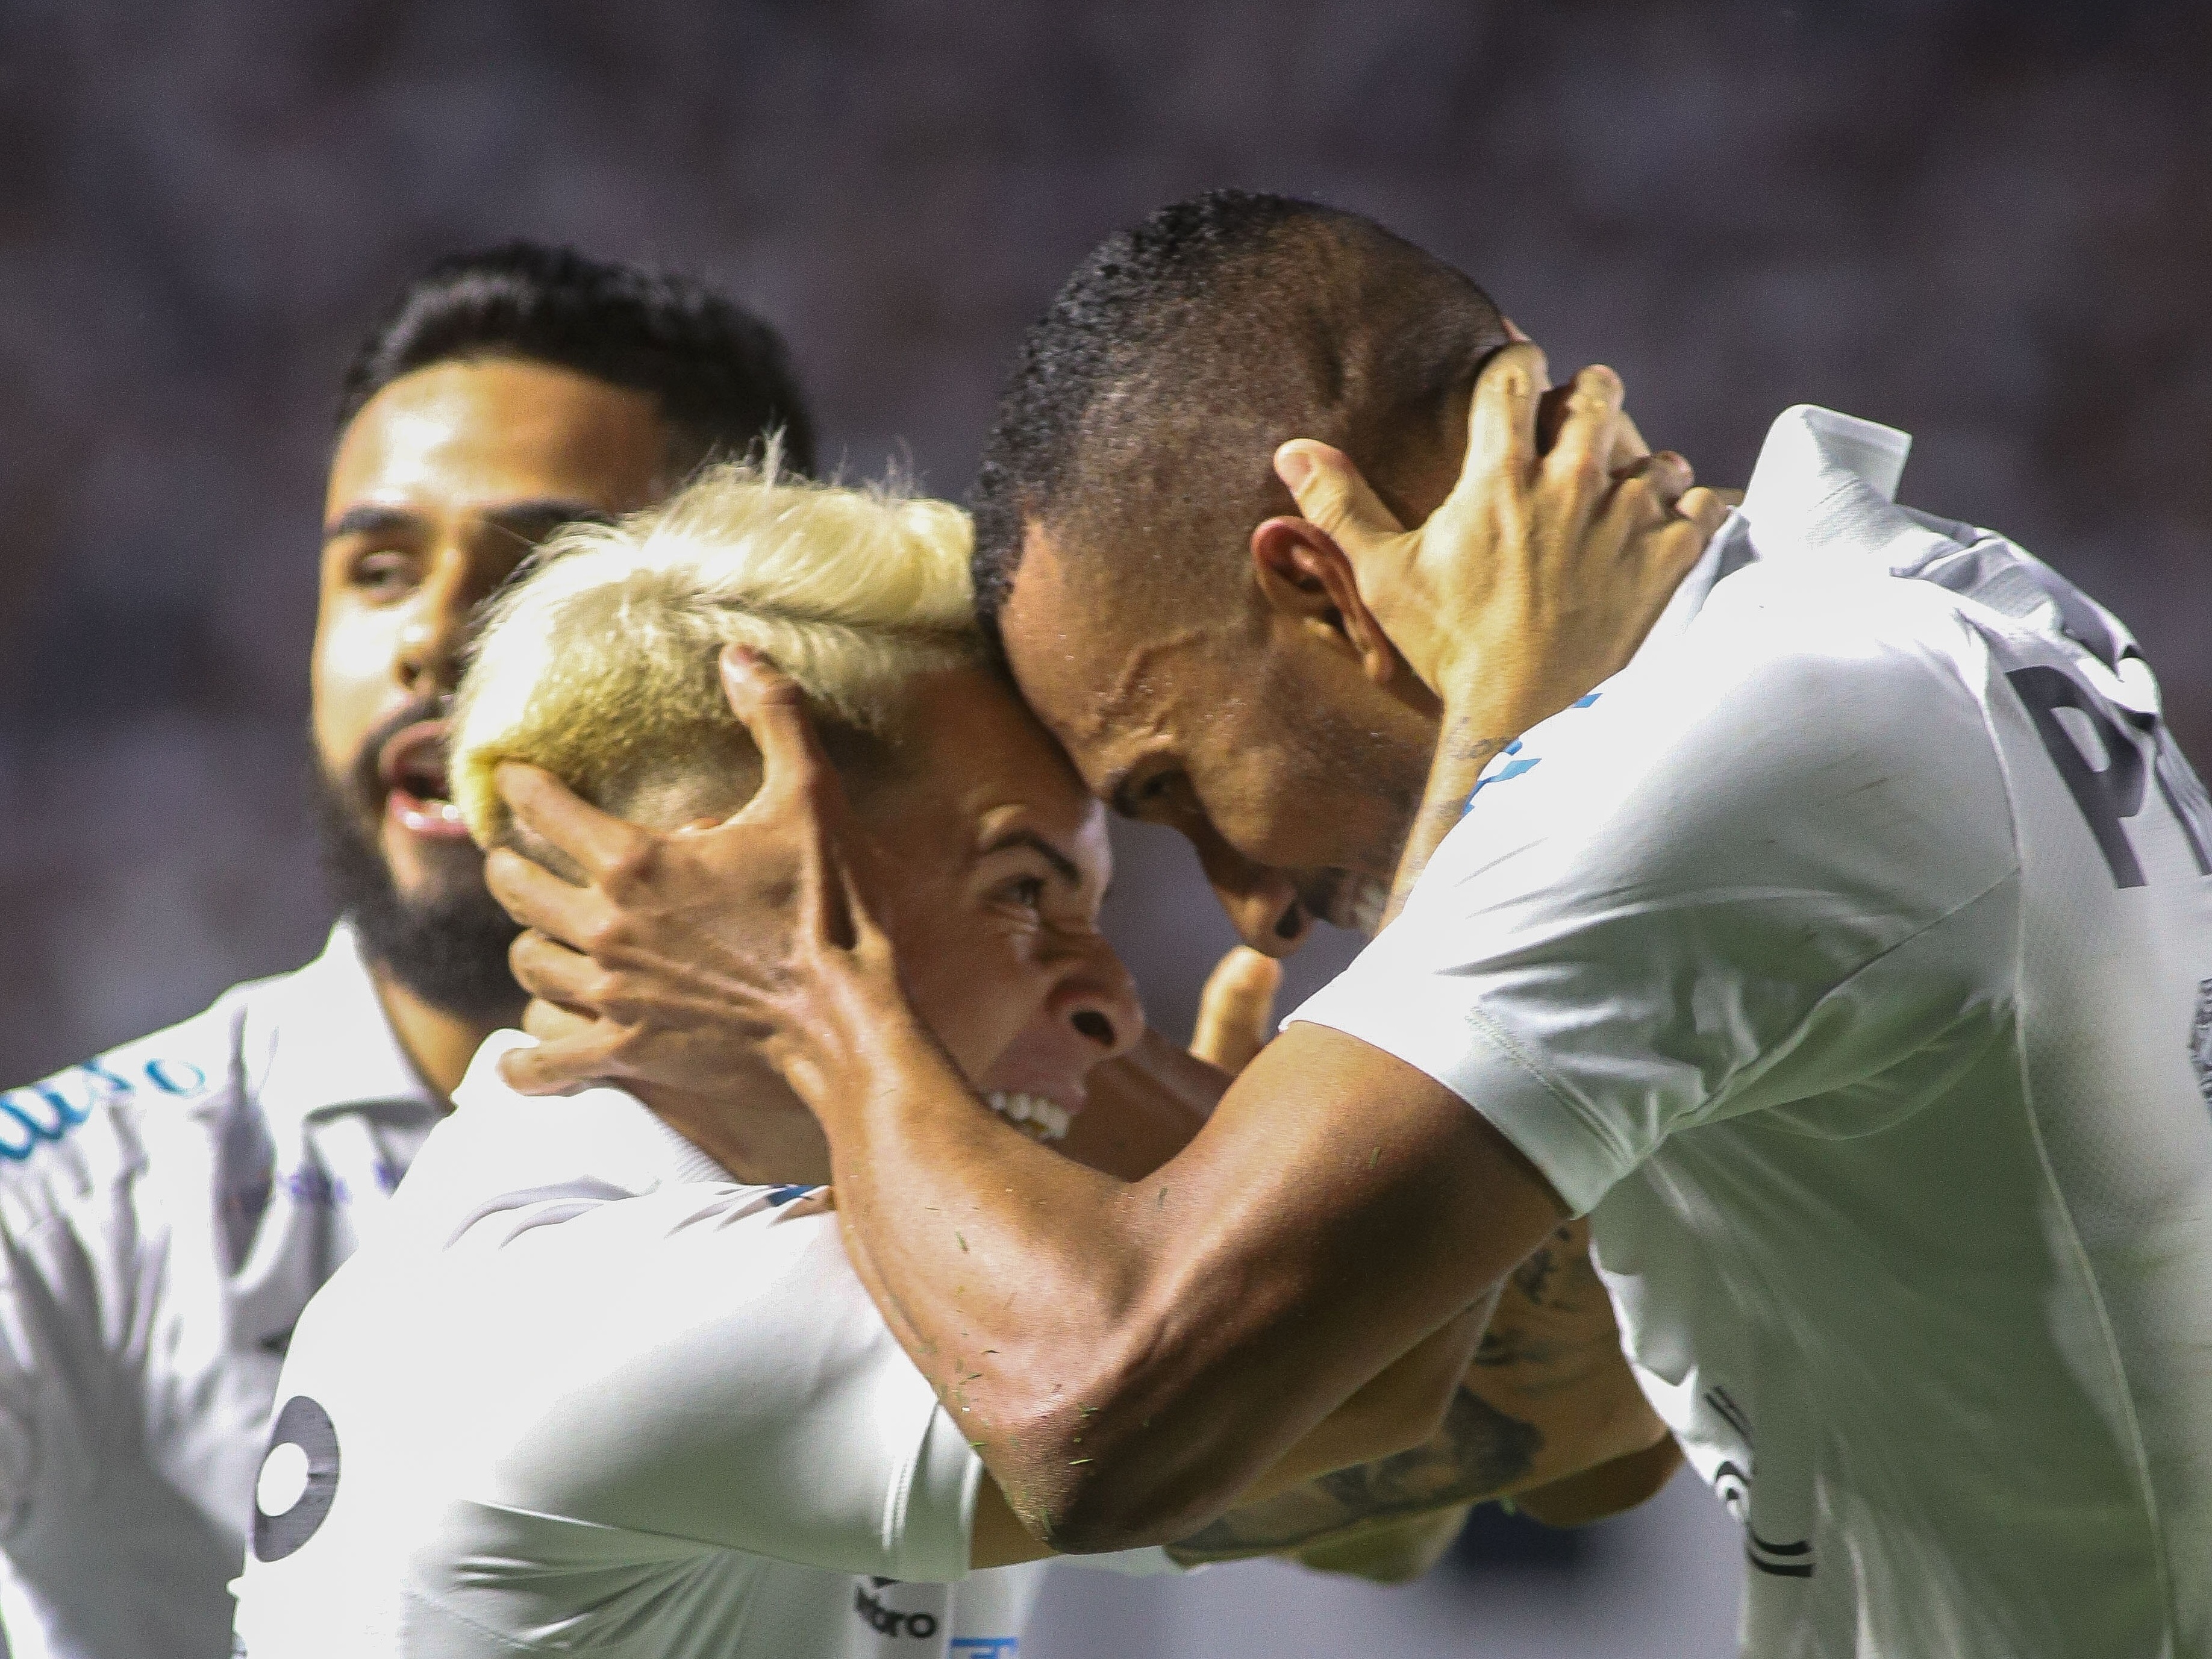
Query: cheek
x,y
351,681
1287,797
974,983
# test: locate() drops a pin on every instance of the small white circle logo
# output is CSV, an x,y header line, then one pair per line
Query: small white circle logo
x,y
283,1480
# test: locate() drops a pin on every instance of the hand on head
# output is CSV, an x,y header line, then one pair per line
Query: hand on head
x,y
629,986
1547,563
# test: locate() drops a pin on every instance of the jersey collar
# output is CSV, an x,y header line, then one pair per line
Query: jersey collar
x,y
618,1125
1823,480
334,1050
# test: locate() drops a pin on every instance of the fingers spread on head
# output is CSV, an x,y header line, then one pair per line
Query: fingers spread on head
x,y
560,1064
538,898
1590,430
1502,423
541,804
546,968
1331,493
548,1022
772,708
1669,476
1703,508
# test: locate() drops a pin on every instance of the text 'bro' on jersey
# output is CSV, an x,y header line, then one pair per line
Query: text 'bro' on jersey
x,y
166,1211
1848,959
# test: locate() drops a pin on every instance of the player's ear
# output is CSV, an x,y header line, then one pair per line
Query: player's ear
x,y
1306,580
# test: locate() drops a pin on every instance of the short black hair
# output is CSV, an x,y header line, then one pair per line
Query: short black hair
x,y
721,375
1148,401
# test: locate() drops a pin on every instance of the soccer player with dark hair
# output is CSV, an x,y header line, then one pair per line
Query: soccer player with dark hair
x,y
1837,938
168,1208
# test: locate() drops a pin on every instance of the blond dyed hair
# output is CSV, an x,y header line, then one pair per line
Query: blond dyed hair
x,y
599,664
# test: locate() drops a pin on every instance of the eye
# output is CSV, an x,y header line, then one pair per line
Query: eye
x,y
1028,891
383,573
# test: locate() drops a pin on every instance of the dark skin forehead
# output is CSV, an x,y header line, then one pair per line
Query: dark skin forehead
x,y
1105,685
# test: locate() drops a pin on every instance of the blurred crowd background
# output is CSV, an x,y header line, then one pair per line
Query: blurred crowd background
x,y
1985,221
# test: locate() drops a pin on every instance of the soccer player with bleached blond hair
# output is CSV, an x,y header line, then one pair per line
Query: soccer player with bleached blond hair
x,y
609,1380
168,1206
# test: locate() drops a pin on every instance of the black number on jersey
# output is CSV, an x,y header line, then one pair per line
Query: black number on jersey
x,y
305,1426
2106,796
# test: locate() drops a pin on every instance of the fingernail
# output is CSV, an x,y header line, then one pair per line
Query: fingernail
x,y
1293,465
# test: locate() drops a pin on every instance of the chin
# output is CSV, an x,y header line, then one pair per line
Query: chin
x,y
425,871
1345,898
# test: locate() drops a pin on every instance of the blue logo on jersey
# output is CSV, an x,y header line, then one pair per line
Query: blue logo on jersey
x,y
45,1111
988,1647
782,1196
1514,769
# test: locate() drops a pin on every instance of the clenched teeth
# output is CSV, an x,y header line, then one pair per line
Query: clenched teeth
x,y
1034,1115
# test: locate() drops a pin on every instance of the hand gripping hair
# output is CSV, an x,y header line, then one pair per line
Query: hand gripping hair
x,y
599,662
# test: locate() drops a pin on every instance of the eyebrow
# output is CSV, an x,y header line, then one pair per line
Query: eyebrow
x,y
528,522
1063,866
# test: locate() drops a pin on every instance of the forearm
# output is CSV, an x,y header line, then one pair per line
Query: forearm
x,y
1388,1551
1478,1453
1131,1358
1143,1108
1549,1407
1606,1489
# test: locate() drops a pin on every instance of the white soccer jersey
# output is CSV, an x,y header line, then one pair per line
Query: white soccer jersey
x,y
1847,957
166,1211
588,1394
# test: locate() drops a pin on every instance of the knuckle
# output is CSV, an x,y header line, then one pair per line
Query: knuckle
x,y
602,936
606,991
631,865
782,696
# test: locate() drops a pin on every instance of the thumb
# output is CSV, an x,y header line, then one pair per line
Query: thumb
x,y
1237,1009
1331,493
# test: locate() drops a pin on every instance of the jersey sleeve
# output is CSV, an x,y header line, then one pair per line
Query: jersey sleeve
x,y
19,1439
663,1366
1767,871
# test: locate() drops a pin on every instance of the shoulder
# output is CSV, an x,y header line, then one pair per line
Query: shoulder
x,y
1792,688
1806,633
1809,738
99,1125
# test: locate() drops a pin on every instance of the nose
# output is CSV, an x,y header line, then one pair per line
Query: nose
x,y
435,636
429,657
1098,999
1260,902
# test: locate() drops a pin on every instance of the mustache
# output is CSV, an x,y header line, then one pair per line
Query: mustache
x,y
363,778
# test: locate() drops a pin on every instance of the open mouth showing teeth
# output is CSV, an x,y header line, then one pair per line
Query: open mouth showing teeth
x,y
412,767
1034,1115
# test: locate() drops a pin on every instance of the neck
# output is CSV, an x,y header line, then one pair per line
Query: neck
x,y
759,1132
439,1044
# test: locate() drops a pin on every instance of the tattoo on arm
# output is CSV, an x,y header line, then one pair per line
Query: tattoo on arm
x,y
1480,1451
1460,758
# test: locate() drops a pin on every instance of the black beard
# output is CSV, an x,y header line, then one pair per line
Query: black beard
x,y
448,946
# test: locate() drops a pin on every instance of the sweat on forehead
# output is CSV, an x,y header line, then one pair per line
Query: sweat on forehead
x,y
1140,425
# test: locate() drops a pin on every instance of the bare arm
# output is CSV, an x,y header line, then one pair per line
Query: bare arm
x,y
1548,1400
1132,1356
